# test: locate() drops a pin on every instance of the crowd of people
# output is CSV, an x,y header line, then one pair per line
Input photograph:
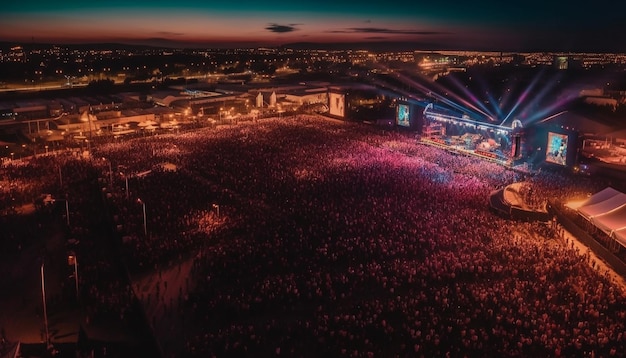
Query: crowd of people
x,y
35,185
317,237
338,239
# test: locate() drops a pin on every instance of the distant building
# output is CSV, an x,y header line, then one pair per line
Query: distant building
x,y
591,92
266,99
166,98
55,108
31,109
6,112
85,123
561,62
518,59
602,101
308,96
80,104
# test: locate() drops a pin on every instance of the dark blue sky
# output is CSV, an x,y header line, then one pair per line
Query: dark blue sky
x,y
482,24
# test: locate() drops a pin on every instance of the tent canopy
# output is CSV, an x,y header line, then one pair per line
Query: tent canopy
x,y
606,210
603,207
600,196
613,221
620,236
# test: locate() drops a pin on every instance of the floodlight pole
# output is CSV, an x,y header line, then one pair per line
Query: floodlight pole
x,y
67,212
110,172
145,224
127,194
45,308
76,274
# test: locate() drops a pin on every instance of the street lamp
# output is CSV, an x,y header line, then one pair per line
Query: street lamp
x,y
73,260
217,209
67,210
45,308
88,144
110,172
125,179
145,224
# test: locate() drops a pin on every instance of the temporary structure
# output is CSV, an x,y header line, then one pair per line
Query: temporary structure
x,y
606,210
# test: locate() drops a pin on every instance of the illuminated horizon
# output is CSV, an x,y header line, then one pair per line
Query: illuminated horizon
x,y
480,25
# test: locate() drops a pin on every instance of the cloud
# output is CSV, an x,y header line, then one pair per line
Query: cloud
x,y
168,33
379,30
376,38
276,28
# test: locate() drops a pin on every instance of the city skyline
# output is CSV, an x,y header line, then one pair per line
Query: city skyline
x,y
482,25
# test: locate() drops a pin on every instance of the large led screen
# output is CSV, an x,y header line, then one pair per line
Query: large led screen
x,y
556,150
336,105
402,116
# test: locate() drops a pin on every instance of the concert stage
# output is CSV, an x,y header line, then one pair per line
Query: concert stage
x,y
435,142
514,201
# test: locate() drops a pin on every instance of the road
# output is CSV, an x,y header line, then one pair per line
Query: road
x,y
41,87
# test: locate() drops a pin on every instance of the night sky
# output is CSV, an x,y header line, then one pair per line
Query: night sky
x,y
532,25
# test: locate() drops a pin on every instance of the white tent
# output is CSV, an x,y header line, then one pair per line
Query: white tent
x,y
620,236
594,199
612,221
606,210
603,207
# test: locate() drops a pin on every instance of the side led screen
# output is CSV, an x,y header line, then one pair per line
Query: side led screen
x,y
402,116
556,150
336,105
